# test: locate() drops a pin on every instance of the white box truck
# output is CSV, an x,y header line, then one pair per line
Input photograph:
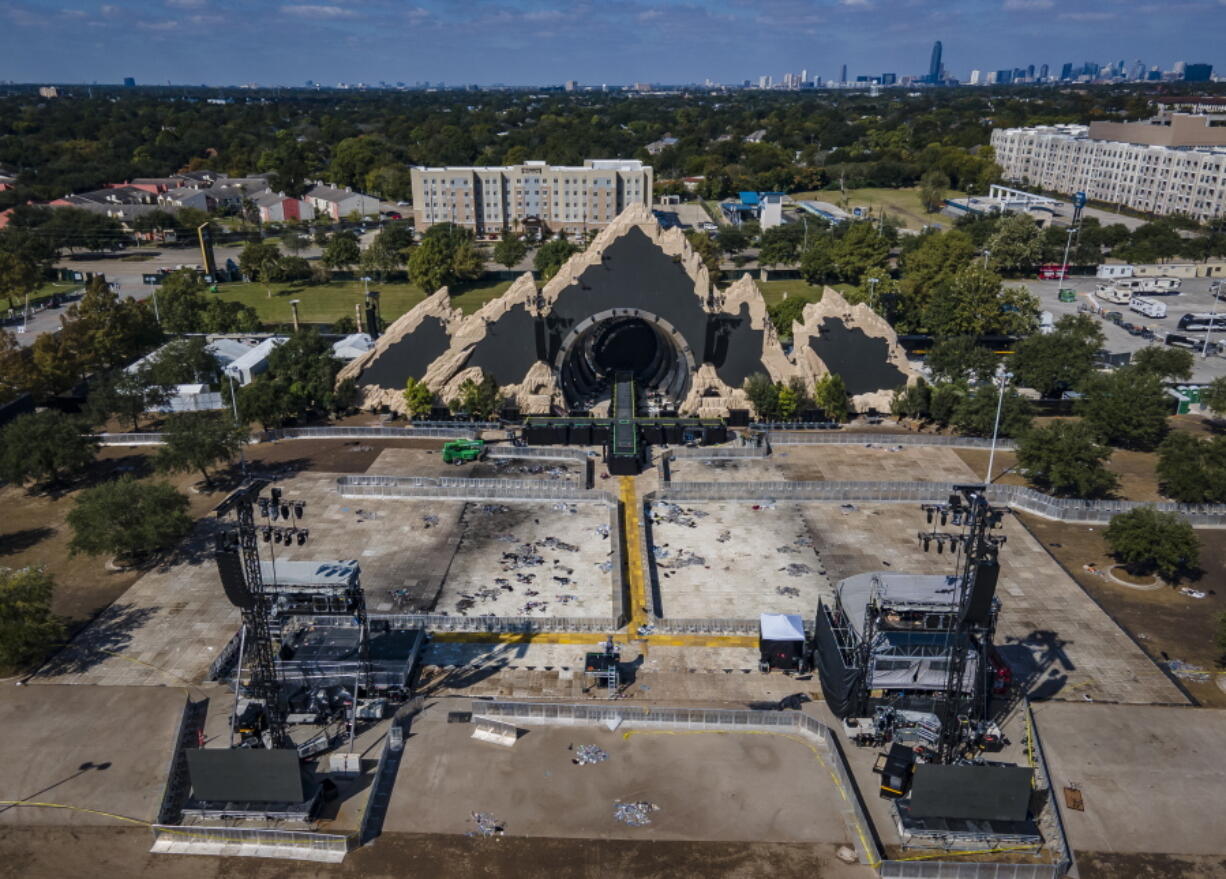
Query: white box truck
x,y
1147,307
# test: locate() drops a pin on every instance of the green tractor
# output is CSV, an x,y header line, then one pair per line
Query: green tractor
x,y
463,451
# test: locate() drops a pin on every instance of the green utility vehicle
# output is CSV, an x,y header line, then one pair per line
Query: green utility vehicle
x,y
463,451
1068,294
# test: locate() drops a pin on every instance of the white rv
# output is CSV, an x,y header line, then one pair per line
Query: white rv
x,y
1148,307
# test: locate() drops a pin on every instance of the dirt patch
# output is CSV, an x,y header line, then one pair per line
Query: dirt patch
x,y
1137,471
52,853
1112,865
1167,624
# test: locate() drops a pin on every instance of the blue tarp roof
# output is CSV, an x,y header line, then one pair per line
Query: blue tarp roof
x,y
749,198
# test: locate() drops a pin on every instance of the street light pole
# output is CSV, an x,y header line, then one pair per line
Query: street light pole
x,y
1072,230
1004,377
986,254
1214,289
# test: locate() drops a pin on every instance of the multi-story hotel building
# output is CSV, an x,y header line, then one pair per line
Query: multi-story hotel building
x,y
552,198
1172,164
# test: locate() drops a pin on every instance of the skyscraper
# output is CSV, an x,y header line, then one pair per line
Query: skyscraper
x,y
843,78
1043,71
934,68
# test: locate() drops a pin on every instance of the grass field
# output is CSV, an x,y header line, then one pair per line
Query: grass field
x,y
902,205
325,303
772,291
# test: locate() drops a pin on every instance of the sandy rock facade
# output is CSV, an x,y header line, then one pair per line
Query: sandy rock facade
x,y
638,298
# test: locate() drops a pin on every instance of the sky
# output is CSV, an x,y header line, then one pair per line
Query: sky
x,y
530,42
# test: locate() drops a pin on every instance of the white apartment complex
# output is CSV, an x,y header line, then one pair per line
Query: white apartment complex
x,y
1173,164
555,198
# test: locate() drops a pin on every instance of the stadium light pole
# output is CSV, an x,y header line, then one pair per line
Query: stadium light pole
x,y
1214,288
1004,376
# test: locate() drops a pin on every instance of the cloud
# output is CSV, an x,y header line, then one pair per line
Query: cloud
x,y
310,10
856,4
186,4
1087,16
1027,5
167,25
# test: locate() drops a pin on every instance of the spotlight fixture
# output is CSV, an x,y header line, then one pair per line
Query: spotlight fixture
x,y
274,512
275,493
266,533
263,502
276,535
299,508
302,536
284,511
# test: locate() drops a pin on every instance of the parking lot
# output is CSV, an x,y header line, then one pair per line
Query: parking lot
x,y
1194,297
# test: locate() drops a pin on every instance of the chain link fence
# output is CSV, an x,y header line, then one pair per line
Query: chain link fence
x,y
837,438
1017,496
468,489
483,624
466,430
299,845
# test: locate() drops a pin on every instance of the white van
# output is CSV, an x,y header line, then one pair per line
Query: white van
x,y
1147,307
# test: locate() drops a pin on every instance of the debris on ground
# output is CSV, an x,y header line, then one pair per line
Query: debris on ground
x,y
492,509
602,530
788,591
429,520
562,507
554,543
637,814
1188,671
487,825
724,536
588,755
646,629
786,548
1192,593
847,508
605,566
797,569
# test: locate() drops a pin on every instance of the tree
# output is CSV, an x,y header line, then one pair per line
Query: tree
x,y
960,359
1169,364
830,395
551,256
731,239
46,447
418,398
19,275
128,519
260,260
479,400
912,401
1128,408
103,331
975,414
184,361
1145,540
294,242
1214,396
786,312
197,441
1055,362
381,258
27,625
781,244
1193,470
127,394
817,263
707,251
932,190
1017,244
763,395
467,263
1067,460
342,251
859,247
929,264
510,249
263,401
976,303
789,403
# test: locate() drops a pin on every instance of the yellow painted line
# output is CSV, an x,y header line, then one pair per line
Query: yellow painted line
x,y
634,555
519,637
869,848
74,809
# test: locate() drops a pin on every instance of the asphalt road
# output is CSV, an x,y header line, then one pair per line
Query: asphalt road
x,y
1194,297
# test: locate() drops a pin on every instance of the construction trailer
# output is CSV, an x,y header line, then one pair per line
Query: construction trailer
x,y
782,643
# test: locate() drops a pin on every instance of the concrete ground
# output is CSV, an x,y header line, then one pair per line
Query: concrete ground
x,y
429,462
1193,298
1151,778
1058,641
879,461
101,748
734,562
709,786
572,542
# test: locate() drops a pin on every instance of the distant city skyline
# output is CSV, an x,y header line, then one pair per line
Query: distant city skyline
x,y
230,42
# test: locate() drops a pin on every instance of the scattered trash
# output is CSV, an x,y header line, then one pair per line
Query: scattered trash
x,y
1188,672
487,825
646,629
554,543
786,548
847,508
605,566
637,814
429,520
588,755
566,599
724,536
797,569
491,509
602,530
788,591
562,507
1193,593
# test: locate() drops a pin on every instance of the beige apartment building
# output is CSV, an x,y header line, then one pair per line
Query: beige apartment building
x,y
1172,164
552,198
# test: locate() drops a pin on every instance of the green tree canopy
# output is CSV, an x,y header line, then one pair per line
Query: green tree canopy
x,y
1066,459
932,190
977,303
128,519
781,244
763,395
830,395
126,394
1128,408
551,256
260,261
1058,361
1214,396
342,251
929,264
1145,540
1168,364
785,312
479,400
45,447
418,398
510,249
859,247
707,251
975,414
197,441
732,239
1017,244
28,628
1193,470
960,359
